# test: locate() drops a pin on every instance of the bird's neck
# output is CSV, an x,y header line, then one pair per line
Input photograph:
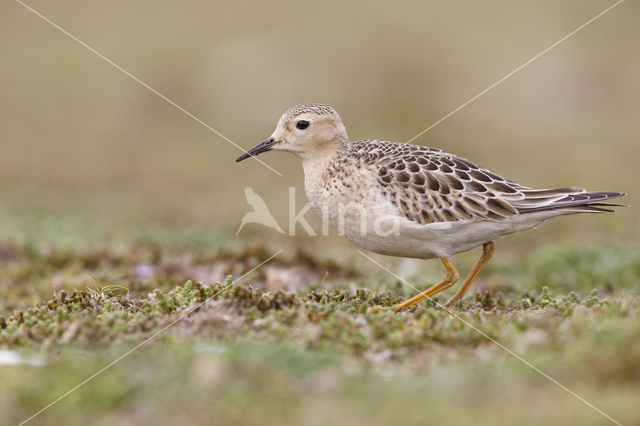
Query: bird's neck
x,y
320,159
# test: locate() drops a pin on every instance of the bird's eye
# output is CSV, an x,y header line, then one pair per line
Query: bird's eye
x,y
302,124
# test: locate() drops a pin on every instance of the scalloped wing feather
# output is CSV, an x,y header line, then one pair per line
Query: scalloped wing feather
x,y
428,185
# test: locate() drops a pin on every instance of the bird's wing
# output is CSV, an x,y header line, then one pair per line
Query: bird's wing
x,y
428,185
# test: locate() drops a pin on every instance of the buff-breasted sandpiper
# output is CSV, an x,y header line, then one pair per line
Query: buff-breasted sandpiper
x,y
412,201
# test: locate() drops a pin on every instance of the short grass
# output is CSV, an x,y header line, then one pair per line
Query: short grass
x,y
320,353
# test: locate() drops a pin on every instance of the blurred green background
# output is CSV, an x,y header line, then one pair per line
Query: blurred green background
x,y
89,154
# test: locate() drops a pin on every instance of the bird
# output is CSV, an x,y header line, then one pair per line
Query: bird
x,y
260,214
413,201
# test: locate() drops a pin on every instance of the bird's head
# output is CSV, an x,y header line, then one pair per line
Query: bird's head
x,y
309,131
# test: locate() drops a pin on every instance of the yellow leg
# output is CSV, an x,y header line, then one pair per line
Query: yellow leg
x,y
449,280
487,252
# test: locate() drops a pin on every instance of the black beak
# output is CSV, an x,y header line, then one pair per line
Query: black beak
x,y
263,146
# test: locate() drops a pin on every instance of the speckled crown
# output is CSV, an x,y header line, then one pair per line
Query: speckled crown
x,y
319,109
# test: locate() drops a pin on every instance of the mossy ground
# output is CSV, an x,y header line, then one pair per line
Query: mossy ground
x,y
100,175
321,353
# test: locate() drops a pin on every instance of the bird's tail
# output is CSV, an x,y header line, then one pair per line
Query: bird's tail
x,y
568,200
